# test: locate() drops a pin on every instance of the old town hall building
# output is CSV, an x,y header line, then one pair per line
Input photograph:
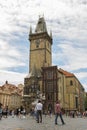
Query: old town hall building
x,y
46,81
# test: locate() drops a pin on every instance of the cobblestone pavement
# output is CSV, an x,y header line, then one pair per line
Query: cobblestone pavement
x,y
30,123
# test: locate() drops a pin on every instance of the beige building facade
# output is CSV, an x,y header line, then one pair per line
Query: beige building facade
x,y
72,92
52,82
10,95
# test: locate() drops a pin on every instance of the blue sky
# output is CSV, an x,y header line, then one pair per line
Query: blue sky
x,y
67,19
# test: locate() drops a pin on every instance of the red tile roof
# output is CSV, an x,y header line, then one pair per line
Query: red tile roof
x,y
67,74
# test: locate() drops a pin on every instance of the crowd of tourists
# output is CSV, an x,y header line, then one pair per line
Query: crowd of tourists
x,y
37,111
5,112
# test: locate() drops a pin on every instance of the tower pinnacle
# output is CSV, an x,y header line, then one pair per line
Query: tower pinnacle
x,y
41,25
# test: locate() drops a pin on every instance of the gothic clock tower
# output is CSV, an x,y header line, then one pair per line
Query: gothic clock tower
x,y
40,47
40,55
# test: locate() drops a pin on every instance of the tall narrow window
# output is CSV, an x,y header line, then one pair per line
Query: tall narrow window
x,y
71,82
76,102
37,43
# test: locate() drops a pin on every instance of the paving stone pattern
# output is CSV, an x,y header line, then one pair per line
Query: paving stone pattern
x,y
29,123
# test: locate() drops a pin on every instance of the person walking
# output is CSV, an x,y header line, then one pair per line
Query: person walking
x,y
58,112
39,107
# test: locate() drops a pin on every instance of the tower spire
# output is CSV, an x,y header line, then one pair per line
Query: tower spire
x,y
41,25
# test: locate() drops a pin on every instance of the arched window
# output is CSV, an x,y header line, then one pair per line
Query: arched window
x,y
71,82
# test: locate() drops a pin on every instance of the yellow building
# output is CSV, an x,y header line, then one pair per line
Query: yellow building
x,y
72,92
10,95
44,78
4,96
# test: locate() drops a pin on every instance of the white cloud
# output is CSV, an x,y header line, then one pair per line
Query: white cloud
x,y
76,56
11,77
9,56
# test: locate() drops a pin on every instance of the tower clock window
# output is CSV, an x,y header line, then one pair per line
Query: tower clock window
x,y
37,43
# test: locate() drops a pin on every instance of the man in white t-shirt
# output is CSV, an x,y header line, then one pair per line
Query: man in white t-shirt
x,y
39,107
